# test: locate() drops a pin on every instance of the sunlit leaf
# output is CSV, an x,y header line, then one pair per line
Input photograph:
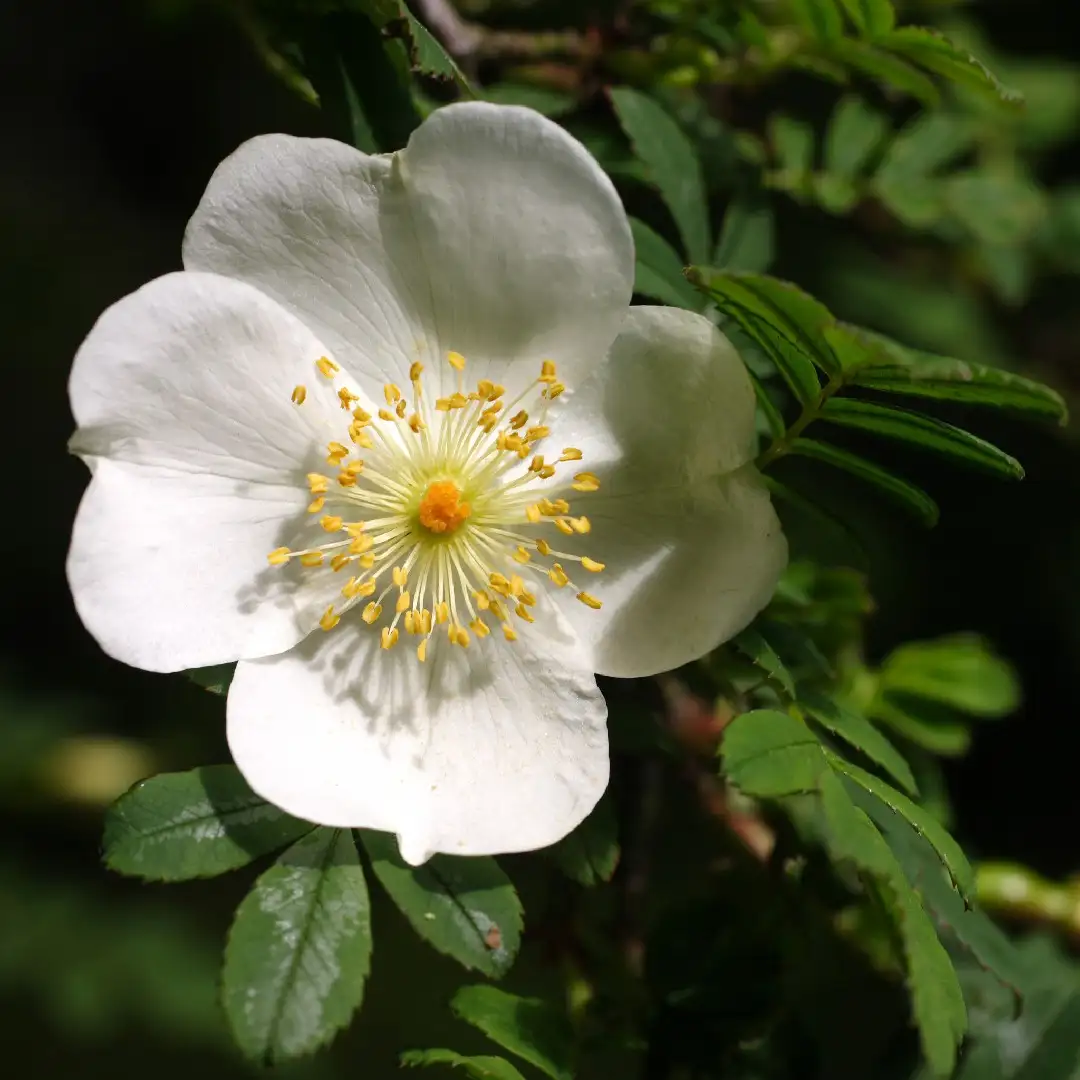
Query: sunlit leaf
x,y
769,754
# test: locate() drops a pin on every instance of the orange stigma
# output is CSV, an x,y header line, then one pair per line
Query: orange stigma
x,y
441,509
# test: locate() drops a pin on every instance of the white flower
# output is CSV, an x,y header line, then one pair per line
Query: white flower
x,y
403,398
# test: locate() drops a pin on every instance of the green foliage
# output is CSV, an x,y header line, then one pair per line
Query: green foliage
x,y
590,854
195,824
465,908
299,950
479,1068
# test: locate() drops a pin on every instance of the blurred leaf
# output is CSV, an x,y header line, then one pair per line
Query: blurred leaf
x,y
478,1068
747,240
922,431
466,908
299,950
960,670
590,854
932,50
793,313
904,494
854,134
427,56
659,269
937,999
793,142
673,165
895,72
193,824
215,679
928,143
857,731
773,417
544,99
924,723
872,17
534,1030
999,207
821,18
751,643
947,849
769,754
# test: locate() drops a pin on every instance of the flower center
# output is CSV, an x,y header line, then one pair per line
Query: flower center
x,y
418,555
441,509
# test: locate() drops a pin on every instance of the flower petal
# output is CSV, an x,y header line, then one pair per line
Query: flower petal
x,y
683,523
494,234
496,748
182,394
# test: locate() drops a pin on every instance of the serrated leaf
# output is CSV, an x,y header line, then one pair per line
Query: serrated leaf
x,y
591,852
789,360
193,824
922,431
892,70
299,950
752,644
659,269
216,679
858,732
960,670
427,55
794,314
769,754
854,134
772,414
879,363
872,17
821,18
937,999
466,908
478,1068
903,493
947,849
747,237
933,50
673,165
532,1029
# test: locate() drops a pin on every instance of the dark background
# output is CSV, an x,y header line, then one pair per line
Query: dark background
x,y
113,116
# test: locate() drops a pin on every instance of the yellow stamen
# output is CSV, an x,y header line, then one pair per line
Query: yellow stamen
x,y
316,505
564,526
509,632
456,361
570,453
480,628
331,523
299,394
523,612
442,611
441,509
581,524
346,397
278,557
533,513
387,415
415,370
317,483
389,637
400,576
402,604
336,453
311,558
339,562
329,619
591,564
586,481
360,544
547,371
391,393
519,420
543,547
371,612
558,576
326,366
421,651
589,601
522,556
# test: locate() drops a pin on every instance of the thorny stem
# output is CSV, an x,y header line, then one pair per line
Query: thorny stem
x,y
783,444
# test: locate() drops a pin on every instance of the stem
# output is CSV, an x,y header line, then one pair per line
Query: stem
x,y
782,444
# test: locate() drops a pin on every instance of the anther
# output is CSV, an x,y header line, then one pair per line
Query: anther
x,y
522,612
509,632
519,419
339,562
564,526
591,564
589,601
570,453
299,395
278,557
336,453
330,618
387,415
456,361
317,483
522,556
391,393
547,371
543,547
326,366
316,505
389,637
400,576
331,523
311,558
580,524
346,397
415,370
558,576
586,481
371,612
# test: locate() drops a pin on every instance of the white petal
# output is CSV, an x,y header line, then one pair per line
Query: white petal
x,y
496,748
182,394
494,234
683,523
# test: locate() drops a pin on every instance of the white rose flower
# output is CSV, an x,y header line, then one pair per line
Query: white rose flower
x,y
395,441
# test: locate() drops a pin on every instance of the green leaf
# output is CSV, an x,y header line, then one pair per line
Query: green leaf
x,y
821,18
477,1068
904,494
769,754
857,731
999,207
961,671
933,50
878,363
362,79
193,824
544,99
673,165
747,240
946,848
466,908
930,142
854,134
772,415
659,269
793,142
751,643
872,17
792,363
922,431
427,56
590,853
215,679
924,723
785,307
299,949
534,1030
889,69
937,998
